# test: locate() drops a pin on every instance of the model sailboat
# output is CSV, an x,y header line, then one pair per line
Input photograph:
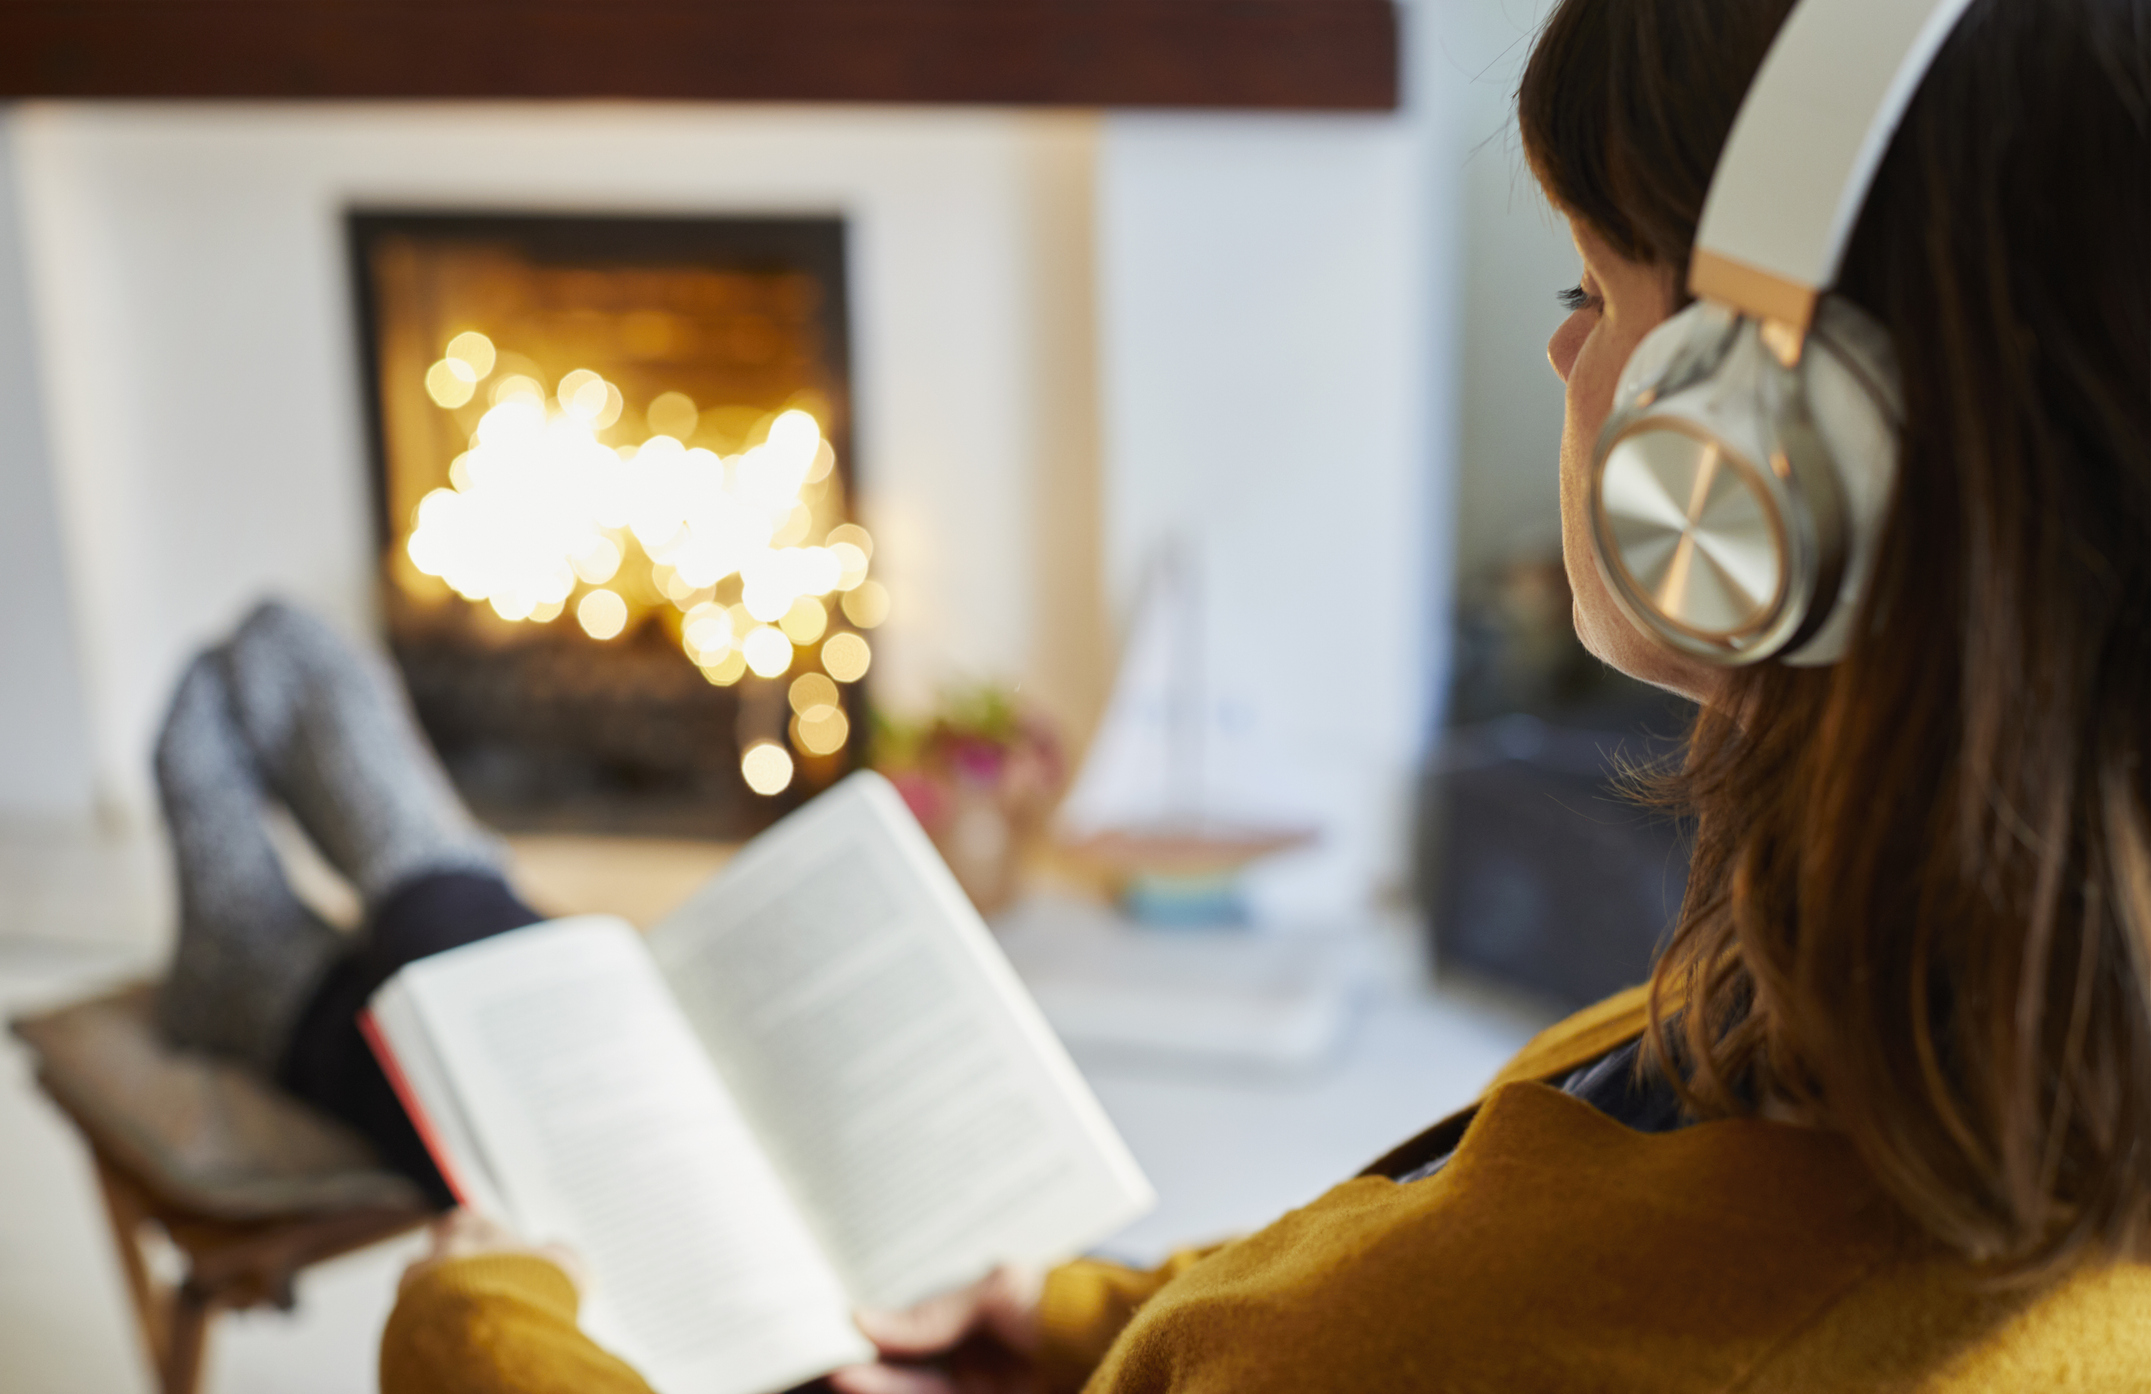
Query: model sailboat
x,y
1154,805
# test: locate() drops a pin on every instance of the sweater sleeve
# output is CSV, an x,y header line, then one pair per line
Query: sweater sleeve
x,y
1085,1305
496,1324
505,1324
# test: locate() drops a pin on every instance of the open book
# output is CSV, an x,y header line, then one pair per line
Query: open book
x,y
818,1085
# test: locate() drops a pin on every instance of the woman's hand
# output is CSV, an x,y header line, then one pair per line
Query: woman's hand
x,y
467,1234
976,1340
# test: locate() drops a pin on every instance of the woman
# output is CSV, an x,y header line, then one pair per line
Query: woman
x,y
1883,1118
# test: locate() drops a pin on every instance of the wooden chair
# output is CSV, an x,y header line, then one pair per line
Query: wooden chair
x,y
230,1264
200,1163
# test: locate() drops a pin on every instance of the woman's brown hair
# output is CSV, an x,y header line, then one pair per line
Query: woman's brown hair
x,y
1921,898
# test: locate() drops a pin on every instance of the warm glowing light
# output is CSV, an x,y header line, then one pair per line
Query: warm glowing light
x,y
508,533
770,475
811,690
851,534
805,621
764,590
851,564
766,767
726,670
451,383
847,657
867,605
821,731
539,508
821,570
475,349
518,388
773,579
673,414
707,633
793,530
599,562
584,395
602,614
796,433
768,652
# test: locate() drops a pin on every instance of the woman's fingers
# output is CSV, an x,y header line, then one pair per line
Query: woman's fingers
x,y
463,1232
567,1261
1004,1302
466,1233
1008,1305
931,1327
888,1379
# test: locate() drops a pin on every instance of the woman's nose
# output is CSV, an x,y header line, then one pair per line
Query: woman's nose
x,y
1566,343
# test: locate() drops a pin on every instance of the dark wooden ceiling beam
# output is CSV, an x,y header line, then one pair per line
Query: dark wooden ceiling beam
x,y
1278,54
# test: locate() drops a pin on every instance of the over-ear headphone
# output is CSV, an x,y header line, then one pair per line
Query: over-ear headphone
x,y
1738,489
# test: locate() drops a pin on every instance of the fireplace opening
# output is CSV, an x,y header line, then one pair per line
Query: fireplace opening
x,y
612,475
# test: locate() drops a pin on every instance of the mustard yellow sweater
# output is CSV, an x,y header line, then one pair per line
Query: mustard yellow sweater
x,y
1557,1251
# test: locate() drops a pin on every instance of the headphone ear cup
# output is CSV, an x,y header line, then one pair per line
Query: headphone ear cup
x,y
1686,529
1849,379
1812,449
1671,353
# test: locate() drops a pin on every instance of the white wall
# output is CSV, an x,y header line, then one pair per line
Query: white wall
x,y
1267,384
1517,255
45,766
1281,317
195,327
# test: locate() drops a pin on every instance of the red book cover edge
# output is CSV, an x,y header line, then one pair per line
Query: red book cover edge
x,y
408,1097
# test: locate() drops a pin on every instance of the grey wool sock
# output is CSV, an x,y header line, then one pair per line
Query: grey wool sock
x,y
249,954
338,743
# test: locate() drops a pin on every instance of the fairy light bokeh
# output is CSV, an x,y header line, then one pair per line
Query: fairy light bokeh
x,y
744,558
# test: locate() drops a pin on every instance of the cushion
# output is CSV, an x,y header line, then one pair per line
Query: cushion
x,y
197,1130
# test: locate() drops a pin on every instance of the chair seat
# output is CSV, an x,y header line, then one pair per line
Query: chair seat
x,y
199,1132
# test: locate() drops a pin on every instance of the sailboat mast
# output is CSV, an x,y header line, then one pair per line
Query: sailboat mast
x,y
1188,699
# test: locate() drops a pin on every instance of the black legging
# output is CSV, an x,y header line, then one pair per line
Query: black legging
x,y
328,1062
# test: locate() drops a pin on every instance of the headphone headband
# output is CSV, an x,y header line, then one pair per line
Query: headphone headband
x,y
1804,148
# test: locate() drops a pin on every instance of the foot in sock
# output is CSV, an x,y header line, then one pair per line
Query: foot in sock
x,y
338,743
250,954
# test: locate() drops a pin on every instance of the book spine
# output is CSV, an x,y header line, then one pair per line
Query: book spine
x,y
408,1097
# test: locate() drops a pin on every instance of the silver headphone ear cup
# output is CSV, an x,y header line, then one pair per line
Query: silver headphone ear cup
x,y
1851,392
1689,344
1734,501
1691,528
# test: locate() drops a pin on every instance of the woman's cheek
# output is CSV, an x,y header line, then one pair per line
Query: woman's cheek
x,y
1598,371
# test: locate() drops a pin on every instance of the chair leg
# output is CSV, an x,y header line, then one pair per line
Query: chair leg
x,y
188,1339
174,1321
124,1210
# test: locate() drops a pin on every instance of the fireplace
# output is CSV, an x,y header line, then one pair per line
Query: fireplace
x,y
612,476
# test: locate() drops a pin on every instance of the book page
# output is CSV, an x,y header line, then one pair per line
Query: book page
x,y
923,1114
606,1128
397,1034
